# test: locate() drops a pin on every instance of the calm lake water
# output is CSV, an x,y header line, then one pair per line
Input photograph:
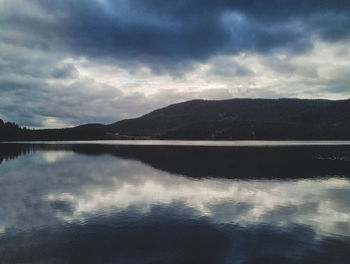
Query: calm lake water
x,y
175,203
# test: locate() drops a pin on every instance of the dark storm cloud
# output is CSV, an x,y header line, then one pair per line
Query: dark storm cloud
x,y
172,33
41,41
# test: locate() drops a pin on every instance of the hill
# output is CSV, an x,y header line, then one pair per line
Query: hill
x,y
254,119
244,119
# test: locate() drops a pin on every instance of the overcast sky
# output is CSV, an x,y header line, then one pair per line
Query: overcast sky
x,y
65,63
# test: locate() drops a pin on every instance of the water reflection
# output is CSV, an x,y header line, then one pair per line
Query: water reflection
x,y
80,204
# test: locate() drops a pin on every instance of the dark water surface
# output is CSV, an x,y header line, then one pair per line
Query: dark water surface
x,y
97,203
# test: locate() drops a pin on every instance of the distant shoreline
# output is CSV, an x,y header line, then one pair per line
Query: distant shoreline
x,y
219,143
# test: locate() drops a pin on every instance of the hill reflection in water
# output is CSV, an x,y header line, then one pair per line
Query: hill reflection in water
x,y
142,204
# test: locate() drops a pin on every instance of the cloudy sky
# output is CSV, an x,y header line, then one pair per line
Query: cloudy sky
x,y
64,63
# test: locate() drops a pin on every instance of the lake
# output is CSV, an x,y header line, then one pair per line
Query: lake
x,y
175,202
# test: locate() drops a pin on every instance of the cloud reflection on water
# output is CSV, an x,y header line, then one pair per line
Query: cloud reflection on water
x,y
58,206
48,188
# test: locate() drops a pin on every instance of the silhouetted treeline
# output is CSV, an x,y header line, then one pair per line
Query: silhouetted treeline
x,y
13,132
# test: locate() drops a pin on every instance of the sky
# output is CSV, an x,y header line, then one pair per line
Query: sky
x,y
65,63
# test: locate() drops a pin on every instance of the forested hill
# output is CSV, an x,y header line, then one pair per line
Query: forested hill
x,y
244,119
278,119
